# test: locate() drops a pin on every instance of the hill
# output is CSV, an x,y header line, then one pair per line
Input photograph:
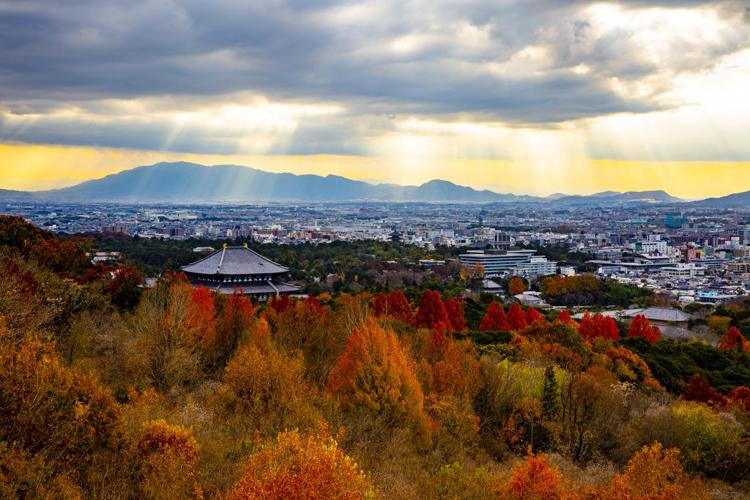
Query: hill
x,y
730,201
183,182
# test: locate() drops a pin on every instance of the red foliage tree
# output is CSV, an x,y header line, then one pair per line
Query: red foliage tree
x,y
699,389
455,310
533,315
431,310
734,340
516,317
454,368
565,317
495,320
640,327
394,305
202,316
280,303
598,326
741,397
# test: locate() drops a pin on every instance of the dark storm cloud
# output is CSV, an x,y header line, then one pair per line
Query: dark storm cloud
x,y
57,54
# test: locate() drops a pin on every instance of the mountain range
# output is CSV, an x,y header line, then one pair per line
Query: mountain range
x,y
183,182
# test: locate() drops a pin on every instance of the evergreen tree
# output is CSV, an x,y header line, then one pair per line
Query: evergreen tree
x,y
550,400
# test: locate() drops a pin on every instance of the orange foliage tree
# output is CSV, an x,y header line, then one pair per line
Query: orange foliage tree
x,y
495,320
297,468
516,317
375,374
734,340
640,327
431,310
534,478
652,473
516,285
630,367
454,368
169,458
268,389
51,410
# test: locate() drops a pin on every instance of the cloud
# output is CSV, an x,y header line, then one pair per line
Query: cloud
x,y
69,70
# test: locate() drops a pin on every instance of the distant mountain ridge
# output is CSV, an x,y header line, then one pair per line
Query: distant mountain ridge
x,y
183,182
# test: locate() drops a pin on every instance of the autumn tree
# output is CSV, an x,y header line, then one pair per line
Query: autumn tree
x,y
564,317
169,458
734,340
598,326
124,289
495,320
699,389
533,478
516,317
374,374
300,468
53,412
640,327
516,286
394,305
267,389
235,320
455,310
533,315
653,473
431,310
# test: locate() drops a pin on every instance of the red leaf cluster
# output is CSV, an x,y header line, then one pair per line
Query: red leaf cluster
x,y
431,310
394,305
734,340
699,389
598,326
495,320
640,327
516,317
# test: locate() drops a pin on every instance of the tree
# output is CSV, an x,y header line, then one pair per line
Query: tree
x,y
533,478
698,389
169,460
431,310
394,305
533,315
300,468
52,411
268,388
640,327
550,396
124,290
235,320
375,375
598,326
495,319
516,286
564,317
455,310
516,317
653,473
734,340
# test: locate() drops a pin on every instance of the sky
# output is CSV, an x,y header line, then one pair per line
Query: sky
x,y
522,96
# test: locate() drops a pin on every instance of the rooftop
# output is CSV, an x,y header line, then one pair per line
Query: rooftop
x,y
234,261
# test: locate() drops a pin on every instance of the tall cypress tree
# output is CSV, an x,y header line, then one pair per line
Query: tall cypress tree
x,y
550,399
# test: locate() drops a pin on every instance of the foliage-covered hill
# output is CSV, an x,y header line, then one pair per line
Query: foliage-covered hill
x,y
111,391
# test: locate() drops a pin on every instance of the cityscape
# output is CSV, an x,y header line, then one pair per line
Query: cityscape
x,y
375,250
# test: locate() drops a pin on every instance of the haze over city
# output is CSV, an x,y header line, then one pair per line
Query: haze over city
x,y
528,97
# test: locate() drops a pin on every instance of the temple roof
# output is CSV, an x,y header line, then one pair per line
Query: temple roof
x,y
234,261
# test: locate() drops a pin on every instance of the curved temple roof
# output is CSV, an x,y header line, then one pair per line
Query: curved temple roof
x,y
234,261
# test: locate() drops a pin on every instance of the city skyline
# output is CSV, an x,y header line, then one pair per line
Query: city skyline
x,y
523,97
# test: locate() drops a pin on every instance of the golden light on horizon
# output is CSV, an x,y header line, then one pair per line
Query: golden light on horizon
x,y
33,167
